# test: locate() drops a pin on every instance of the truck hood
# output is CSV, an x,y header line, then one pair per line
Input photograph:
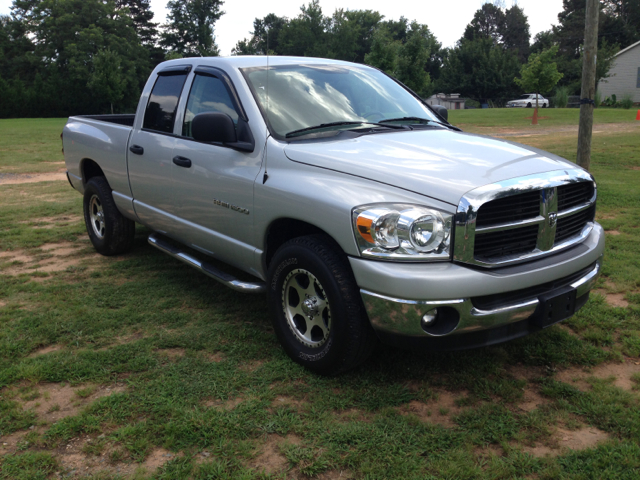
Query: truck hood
x,y
441,164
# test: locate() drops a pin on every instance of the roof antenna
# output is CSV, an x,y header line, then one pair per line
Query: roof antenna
x,y
265,176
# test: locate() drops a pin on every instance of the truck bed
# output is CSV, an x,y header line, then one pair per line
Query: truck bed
x,y
123,119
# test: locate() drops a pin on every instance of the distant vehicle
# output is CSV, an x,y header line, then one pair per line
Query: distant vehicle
x,y
528,100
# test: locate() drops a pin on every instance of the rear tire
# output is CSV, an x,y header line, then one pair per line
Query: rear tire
x,y
109,231
529,105
317,311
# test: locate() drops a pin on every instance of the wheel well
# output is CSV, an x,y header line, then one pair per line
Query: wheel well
x,y
90,169
285,229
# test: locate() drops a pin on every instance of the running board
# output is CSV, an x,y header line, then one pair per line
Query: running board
x,y
206,268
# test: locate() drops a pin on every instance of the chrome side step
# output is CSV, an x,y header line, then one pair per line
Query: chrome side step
x,y
206,268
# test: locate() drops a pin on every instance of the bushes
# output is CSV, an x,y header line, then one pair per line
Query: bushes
x,y
561,98
612,102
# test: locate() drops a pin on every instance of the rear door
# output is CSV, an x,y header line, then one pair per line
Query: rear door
x,y
213,183
150,151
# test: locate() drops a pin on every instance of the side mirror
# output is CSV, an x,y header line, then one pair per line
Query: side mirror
x,y
213,127
441,111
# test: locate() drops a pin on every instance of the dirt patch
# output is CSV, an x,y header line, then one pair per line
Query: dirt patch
x,y
19,178
334,475
173,353
227,405
612,232
439,411
285,401
75,463
57,401
214,357
45,350
567,130
563,440
54,257
613,299
270,459
53,222
621,372
531,400
251,366
606,216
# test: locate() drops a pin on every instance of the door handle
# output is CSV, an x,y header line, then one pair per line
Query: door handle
x,y
182,162
137,149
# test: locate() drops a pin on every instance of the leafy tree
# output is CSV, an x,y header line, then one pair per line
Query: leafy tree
x,y
306,35
406,60
66,36
351,34
515,32
540,74
488,22
384,51
190,28
264,38
141,15
107,80
479,69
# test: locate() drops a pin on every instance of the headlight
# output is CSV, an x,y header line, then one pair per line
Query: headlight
x,y
402,232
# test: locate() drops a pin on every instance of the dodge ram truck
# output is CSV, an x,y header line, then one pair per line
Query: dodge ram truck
x,y
358,209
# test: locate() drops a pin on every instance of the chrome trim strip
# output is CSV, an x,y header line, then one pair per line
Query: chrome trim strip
x,y
207,269
508,226
547,183
402,317
574,210
412,302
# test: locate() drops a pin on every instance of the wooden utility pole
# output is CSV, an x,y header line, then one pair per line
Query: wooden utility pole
x,y
588,91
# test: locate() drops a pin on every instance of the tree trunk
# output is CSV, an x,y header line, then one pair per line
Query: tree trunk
x,y
534,120
112,109
588,83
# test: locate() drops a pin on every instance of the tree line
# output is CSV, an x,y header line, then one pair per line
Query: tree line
x,y
66,57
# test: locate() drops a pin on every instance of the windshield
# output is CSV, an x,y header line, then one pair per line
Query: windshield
x,y
302,96
525,96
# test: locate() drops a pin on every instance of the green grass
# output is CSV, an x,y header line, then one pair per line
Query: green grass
x,y
517,117
203,372
31,145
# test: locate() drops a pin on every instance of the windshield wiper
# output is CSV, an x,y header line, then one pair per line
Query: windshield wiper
x,y
418,119
335,124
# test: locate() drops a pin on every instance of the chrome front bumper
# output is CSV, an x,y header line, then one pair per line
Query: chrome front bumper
x,y
403,317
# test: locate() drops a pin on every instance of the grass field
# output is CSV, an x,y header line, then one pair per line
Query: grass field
x,y
136,367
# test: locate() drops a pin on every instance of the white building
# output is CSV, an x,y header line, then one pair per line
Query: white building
x,y
624,75
450,102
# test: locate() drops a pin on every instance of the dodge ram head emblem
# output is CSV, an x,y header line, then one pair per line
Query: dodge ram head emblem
x,y
553,218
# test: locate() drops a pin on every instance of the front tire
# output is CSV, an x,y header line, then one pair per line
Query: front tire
x,y
109,231
316,307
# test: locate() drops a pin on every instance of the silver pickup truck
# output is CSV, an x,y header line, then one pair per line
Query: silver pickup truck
x,y
359,211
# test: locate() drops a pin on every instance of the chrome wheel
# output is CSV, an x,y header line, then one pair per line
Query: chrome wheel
x,y
96,214
306,308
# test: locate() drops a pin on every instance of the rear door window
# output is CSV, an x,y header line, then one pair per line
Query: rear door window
x,y
163,103
208,94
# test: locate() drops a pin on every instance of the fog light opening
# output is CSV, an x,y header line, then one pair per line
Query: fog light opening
x,y
440,321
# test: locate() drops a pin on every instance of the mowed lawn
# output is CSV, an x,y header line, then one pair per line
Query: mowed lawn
x,y
137,367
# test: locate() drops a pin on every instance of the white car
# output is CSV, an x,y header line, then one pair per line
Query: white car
x,y
528,100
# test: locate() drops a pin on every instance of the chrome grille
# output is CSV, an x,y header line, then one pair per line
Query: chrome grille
x,y
574,194
524,218
509,209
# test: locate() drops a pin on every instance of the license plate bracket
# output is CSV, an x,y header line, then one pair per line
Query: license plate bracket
x,y
556,306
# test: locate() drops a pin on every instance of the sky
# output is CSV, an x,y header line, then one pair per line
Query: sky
x,y
446,19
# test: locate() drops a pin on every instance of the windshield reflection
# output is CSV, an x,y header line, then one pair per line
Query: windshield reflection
x,y
300,96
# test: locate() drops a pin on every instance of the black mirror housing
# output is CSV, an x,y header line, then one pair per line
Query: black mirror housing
x,y
213,127
442,112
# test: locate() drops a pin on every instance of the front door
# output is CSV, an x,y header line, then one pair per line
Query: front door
x,y
213,183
